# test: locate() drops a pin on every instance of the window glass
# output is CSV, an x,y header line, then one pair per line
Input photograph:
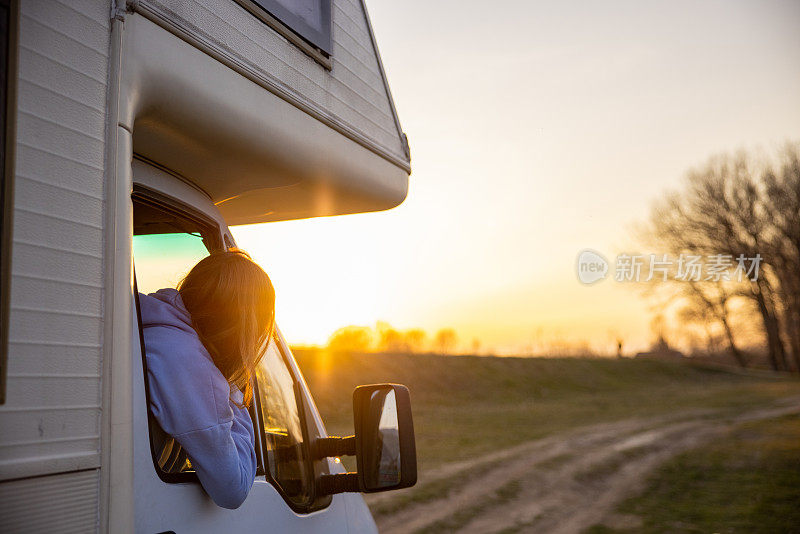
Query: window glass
x,y
286,457
310,19
162,260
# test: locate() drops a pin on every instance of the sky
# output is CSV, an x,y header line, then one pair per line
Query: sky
x,y
537,130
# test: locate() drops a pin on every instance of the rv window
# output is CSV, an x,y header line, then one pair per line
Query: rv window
x,y
300,21
162,260
287,460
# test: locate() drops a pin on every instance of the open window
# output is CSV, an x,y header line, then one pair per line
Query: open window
x,y
169,239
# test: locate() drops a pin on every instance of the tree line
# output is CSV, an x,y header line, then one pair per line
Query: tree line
x,y
385,338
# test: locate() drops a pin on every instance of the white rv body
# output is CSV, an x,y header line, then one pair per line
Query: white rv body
x,y
214,104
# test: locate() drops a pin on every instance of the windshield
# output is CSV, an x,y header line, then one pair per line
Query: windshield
x,y
286,459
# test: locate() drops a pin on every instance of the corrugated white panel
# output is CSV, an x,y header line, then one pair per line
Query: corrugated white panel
x,y
51,419
58,503
353,91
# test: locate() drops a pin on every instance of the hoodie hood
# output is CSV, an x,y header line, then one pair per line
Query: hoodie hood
x,y
165,308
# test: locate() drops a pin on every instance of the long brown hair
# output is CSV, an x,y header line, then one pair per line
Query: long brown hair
x,y
232,304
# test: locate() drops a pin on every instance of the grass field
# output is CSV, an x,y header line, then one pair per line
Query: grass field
x,y
747,482
465,406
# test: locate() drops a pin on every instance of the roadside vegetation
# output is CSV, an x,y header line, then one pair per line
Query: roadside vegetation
x,y
733,207
749,481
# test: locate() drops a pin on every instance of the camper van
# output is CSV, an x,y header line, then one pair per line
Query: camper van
x,y
135,134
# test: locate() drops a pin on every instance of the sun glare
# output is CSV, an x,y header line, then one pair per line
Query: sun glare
x,y
326,283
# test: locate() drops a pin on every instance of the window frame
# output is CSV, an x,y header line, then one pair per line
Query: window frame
x,y
8,69
150,197
316,44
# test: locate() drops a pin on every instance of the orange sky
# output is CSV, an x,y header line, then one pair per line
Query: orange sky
x,y
537,130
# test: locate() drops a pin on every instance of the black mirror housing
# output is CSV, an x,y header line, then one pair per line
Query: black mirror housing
x,y
386,452
384,443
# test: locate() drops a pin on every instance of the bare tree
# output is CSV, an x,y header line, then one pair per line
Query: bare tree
x,y
445,340
732,206
782,195
415,339
351,339
389,339
475,346
713,299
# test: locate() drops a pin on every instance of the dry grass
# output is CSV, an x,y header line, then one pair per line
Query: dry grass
x,y
466,405
747,482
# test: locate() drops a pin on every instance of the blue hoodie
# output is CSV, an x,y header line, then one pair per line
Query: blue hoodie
x,y
191,400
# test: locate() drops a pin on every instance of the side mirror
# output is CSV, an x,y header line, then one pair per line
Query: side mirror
x,y
386,453
384,446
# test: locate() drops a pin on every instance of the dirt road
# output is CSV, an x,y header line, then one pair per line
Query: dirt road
x,y
561,484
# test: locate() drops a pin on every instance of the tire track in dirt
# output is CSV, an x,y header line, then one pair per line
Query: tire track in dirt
x,y
561,483
458,470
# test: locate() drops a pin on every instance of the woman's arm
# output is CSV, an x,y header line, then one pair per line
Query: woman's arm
x,y
224,458
190,399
